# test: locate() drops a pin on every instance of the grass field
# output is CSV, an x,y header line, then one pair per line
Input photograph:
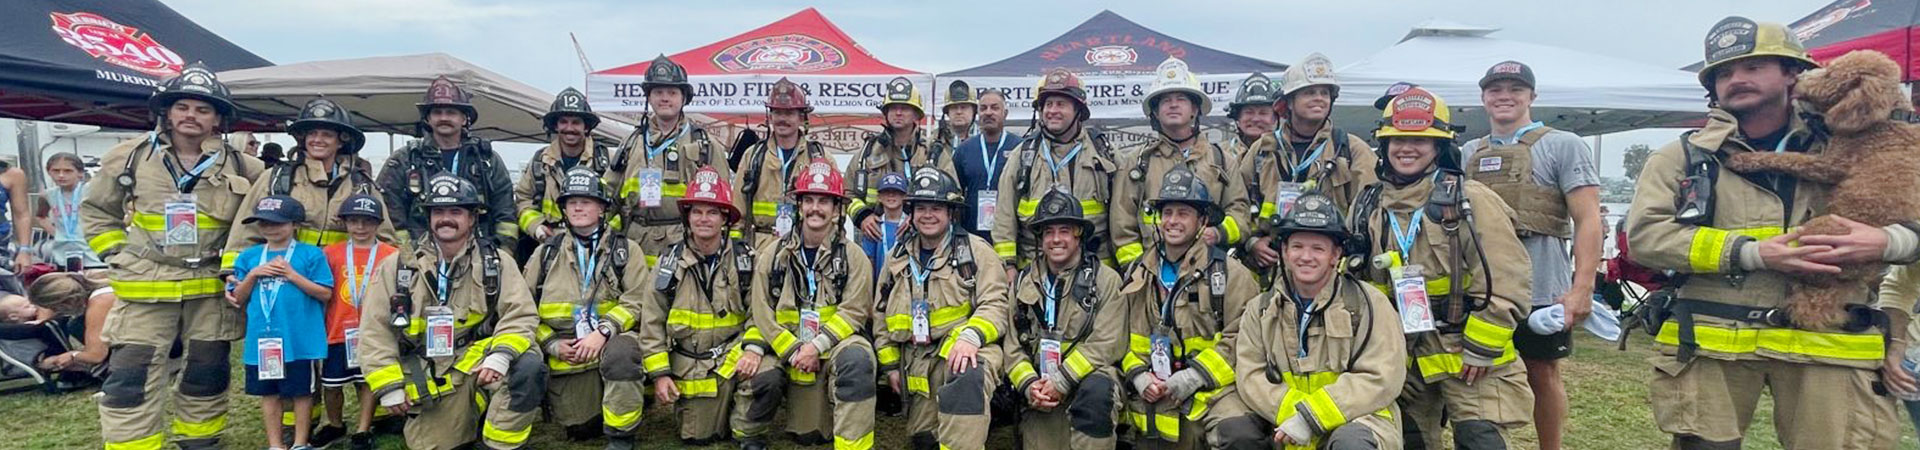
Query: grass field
x,y
1608,389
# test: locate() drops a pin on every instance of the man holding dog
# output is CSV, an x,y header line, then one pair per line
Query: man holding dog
x,y
1725,334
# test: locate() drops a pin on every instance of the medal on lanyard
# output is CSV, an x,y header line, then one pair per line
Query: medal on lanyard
x,y
183,225
439,331
1409,280
273,356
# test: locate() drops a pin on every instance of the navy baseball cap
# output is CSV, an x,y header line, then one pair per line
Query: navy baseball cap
x,y
362,205
1392,91
893,181
278,209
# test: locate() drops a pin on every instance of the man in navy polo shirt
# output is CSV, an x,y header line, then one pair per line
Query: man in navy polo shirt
x,y
979,160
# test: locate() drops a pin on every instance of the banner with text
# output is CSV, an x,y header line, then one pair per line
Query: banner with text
x,y
747,93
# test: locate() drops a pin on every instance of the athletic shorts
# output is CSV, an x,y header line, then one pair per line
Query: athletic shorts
x,y
335,373
1540,347
302,378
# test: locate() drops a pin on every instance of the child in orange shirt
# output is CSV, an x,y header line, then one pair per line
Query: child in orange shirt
x,y
352,263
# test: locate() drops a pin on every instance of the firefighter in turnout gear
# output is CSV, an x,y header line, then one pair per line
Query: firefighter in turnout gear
x,y
1061,154
456,353
1068,334
1174,107
446,115
1309,154
570,122
898,149
657,162
811,306
1318,363
1444,247
776,163
580,314
957,116
1183,303
1723,337
161,221
1252,113
944,317
693,334
324,169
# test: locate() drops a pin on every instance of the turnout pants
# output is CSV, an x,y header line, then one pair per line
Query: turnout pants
x,y
1483,415
1238,427
1708,404
839,398
132,416
504,419
945,408
1083,421
702,408
574,398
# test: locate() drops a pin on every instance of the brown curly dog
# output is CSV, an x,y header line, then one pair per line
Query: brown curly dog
x,y
1871,161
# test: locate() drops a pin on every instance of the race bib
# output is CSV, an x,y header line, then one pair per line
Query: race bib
x,y
1049,357
984,209
439,332
783,220
809,325
583,321
922,327
183,226
1289,191
1162,356
352,346
650,187
1410,288
273,359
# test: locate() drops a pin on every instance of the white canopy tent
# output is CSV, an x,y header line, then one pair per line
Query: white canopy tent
x,y
1584,93
382,91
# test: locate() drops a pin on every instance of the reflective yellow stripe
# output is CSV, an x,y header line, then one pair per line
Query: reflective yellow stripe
x,y
786,343
529,218
158,222
1232,229
153,442
673,190
1020,374
629,187
702,387
556,310
752,335
1167,425
383,377
1268,209
655,363
1028,207
1859,347
166,290
542,333
798,376
622,318
703,321
320,238
1437,286
1450,363
917,384
1092,208
1127,253
855,205
619,420
864,443
1215,366
988,333
768,209
513,437
192,430
1077,364
732,360
889,355
559,365
107,241
1486,334
940,318
1709,244
227,259
1006,249
1150,219
514,343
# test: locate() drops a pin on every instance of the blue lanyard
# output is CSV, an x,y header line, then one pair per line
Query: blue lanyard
x,y
70,210
992,158
586,258
1300,169
441,277
1062,162
271,298
1408,235
357,286
454,166
654,151
920,274
1516,134
906,159
184,181
813,286
786,162
1169,281
1051,290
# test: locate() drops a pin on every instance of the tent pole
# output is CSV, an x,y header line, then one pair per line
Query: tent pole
x,y
1597,141
28,135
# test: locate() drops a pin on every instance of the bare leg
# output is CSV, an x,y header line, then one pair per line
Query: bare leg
x,y
1549,401
366,408
270,409
302,419
335,402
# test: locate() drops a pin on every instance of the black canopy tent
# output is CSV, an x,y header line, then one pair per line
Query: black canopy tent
x,y
94,62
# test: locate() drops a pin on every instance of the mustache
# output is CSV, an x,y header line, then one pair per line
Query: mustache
x,y
443,224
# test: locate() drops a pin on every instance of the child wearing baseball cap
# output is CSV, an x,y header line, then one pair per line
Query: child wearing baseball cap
x,y
283,286
353,261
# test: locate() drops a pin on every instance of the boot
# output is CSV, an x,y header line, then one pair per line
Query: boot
x,y
621,443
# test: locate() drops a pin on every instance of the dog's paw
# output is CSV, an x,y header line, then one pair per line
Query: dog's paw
x,y
1748,162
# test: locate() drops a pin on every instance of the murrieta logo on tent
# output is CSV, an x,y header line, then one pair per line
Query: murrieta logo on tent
x,y
785,53
116,44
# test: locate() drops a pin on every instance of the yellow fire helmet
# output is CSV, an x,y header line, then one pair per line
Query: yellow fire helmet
x,y
1174,77
900,91
1416,113
1736,38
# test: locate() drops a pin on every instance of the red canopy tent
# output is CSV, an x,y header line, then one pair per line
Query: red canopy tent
x,y
731,79
1887,26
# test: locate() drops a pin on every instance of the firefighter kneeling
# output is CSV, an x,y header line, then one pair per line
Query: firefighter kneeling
x,y
579,314
1319,365
690,339
1069,330
943,317
1445,247
457,344
809,318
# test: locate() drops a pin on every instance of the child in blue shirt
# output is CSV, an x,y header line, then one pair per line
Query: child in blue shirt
x,y
284,286
893,216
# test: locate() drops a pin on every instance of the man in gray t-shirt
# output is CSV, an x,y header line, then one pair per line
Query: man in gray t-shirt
x,y
1547,176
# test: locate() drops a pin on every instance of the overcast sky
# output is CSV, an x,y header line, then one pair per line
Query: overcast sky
x,y
528,40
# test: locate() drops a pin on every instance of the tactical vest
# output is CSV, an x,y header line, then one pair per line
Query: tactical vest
x,y
1508,170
